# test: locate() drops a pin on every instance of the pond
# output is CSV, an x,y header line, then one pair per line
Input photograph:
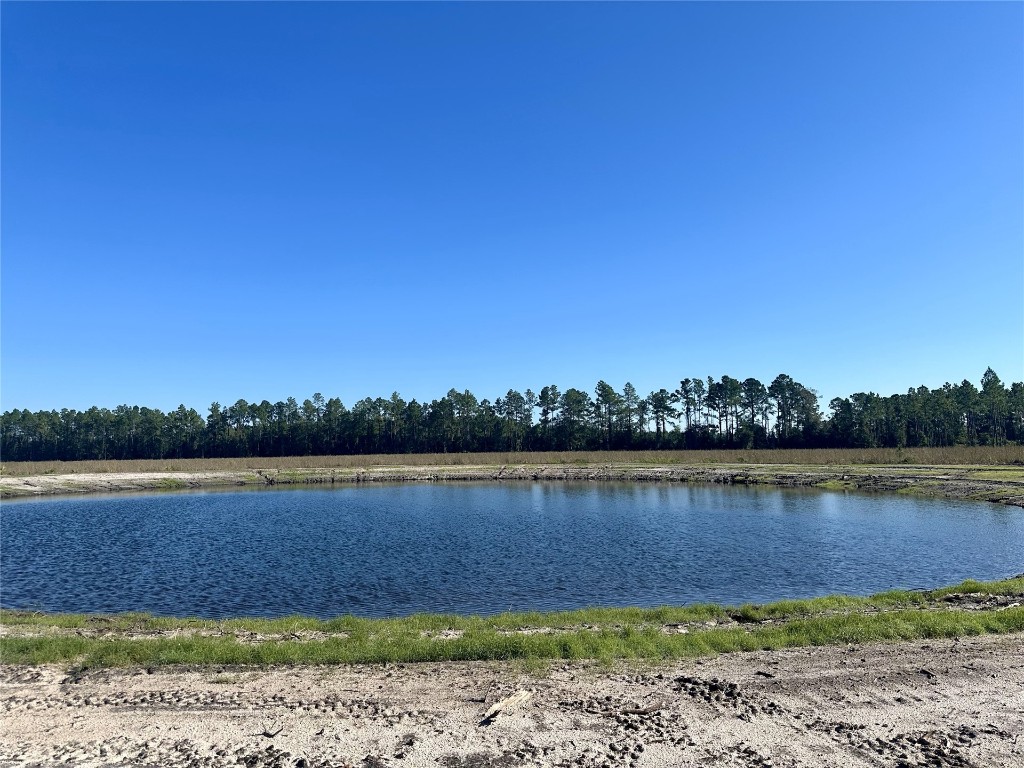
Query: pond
x,y
486,548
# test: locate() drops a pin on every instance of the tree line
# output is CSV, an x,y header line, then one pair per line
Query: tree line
x,y
698,414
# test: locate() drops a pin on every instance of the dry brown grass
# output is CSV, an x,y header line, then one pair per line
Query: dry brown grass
x,y
956,455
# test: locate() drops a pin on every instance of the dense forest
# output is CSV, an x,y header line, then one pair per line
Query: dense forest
x,y
700,413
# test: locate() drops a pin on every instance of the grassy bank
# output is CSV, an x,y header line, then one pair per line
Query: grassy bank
x,y
1011,455
997,483
86,641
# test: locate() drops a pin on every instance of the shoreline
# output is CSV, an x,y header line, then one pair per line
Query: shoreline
x,y
996,484
650,634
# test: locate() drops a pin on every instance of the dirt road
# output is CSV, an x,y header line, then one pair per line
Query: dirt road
x,y
931,703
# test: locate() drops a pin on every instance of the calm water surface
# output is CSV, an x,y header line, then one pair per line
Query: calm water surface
x,y
394,550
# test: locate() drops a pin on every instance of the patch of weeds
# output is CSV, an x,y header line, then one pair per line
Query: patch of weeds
x,y
918,489
996,474
837,485
533,666
747,614
15,493
604,635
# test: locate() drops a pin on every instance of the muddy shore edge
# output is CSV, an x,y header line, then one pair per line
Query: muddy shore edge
x,y
1001,485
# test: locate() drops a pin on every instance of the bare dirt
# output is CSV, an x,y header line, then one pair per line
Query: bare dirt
x,y
929,703
1005,486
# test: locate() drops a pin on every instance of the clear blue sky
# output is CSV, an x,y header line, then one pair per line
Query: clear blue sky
x,y
218,201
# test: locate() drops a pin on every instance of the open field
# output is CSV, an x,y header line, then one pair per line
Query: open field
x,y
836,691
1011,455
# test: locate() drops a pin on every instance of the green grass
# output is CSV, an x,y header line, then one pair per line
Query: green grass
x,y
997,474
595,633
625,642
837,485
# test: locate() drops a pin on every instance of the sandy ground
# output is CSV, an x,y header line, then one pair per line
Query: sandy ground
x,y
1004,486
930,703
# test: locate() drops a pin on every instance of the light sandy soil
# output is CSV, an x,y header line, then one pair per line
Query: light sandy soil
x,y
929,703
1004,486
112,482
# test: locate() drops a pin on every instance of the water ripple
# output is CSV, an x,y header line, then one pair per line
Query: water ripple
x,y
396,550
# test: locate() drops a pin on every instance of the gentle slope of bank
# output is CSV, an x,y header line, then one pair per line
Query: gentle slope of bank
x,y
995,483
971,608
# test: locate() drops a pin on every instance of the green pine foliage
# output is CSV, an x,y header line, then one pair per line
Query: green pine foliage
x,y
701,414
